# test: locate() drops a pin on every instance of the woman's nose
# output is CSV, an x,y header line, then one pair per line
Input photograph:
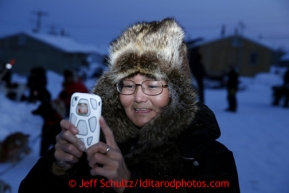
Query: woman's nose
x,y
140,96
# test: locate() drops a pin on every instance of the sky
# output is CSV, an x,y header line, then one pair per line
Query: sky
x,y
99,22
257,134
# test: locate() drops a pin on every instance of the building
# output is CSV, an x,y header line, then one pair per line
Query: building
x,y
52,52
248,55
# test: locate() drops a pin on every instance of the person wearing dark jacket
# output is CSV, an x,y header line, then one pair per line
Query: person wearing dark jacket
x,y
285,88
232,83
71,84
199,73
155,136
37,82
282,91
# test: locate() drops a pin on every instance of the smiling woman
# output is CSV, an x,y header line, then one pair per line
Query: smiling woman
x,y
156,136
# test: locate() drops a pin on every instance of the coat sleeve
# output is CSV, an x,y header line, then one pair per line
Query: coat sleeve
x,y
205,159
212,168
41,179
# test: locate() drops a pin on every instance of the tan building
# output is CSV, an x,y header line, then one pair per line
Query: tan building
x,y
249,56
54,53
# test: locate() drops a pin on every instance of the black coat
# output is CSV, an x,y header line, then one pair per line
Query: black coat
x,y
232,79
202,161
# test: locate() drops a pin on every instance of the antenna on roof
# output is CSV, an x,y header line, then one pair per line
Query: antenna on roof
x,y
38,14
223,30
63,33
52,30
241,26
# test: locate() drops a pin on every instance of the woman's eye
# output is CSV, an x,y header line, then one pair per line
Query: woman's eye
x,y
152,86
128,86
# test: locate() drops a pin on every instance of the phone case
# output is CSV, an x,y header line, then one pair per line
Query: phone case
x,y
85,110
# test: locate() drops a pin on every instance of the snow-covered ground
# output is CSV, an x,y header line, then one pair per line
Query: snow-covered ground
x,y
257,134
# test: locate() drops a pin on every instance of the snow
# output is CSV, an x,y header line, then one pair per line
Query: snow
x,y
257,134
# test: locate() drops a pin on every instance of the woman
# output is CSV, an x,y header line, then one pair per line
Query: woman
x,y
156,137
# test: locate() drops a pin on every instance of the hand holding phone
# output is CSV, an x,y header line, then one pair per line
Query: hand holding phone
x,y
85,111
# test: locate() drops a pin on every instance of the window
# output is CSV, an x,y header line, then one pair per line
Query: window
x,y
253,58
21,40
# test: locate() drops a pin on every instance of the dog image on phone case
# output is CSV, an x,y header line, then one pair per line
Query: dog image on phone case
x,y
85,110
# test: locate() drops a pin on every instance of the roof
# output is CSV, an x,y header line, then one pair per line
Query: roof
x,y
63,43
256,41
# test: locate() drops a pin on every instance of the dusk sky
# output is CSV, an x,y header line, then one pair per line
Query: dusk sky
x,y
99,22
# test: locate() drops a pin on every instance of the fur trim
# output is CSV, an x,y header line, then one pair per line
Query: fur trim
x,y
144,45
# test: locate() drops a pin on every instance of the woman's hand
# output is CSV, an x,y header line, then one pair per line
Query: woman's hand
x,y
109,155
68,148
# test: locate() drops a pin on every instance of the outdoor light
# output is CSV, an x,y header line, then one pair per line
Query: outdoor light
x,y
8,66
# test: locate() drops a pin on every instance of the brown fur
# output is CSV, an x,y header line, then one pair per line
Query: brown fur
x,y
13,147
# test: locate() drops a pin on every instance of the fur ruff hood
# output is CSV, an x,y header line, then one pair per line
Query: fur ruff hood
x,y
156,49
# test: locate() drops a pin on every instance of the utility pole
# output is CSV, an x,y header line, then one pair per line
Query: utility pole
x,y
239,37
39,15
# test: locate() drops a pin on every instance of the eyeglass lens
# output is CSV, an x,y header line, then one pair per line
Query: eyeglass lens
x,y
149,87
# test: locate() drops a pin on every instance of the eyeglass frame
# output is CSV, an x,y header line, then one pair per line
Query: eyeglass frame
x,y
136,85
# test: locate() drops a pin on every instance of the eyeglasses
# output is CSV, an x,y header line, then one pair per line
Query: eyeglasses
x,y
149,87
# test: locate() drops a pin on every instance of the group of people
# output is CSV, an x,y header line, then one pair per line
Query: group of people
x,y
230,80
52,110
155,135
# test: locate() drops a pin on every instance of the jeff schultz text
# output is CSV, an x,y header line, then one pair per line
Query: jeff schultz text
x,y
148,183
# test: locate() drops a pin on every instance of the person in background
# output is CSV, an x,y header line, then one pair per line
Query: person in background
x,y
71,84
286,88
5,74
199,73
37,82
154,132
50,127
232,82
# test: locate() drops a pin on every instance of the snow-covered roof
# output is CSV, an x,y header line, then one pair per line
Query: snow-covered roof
x,y
255,40
63,43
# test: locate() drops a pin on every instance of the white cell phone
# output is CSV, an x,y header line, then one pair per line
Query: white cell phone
x,y
85,111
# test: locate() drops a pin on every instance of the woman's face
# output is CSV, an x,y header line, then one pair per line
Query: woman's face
x,y
141,108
